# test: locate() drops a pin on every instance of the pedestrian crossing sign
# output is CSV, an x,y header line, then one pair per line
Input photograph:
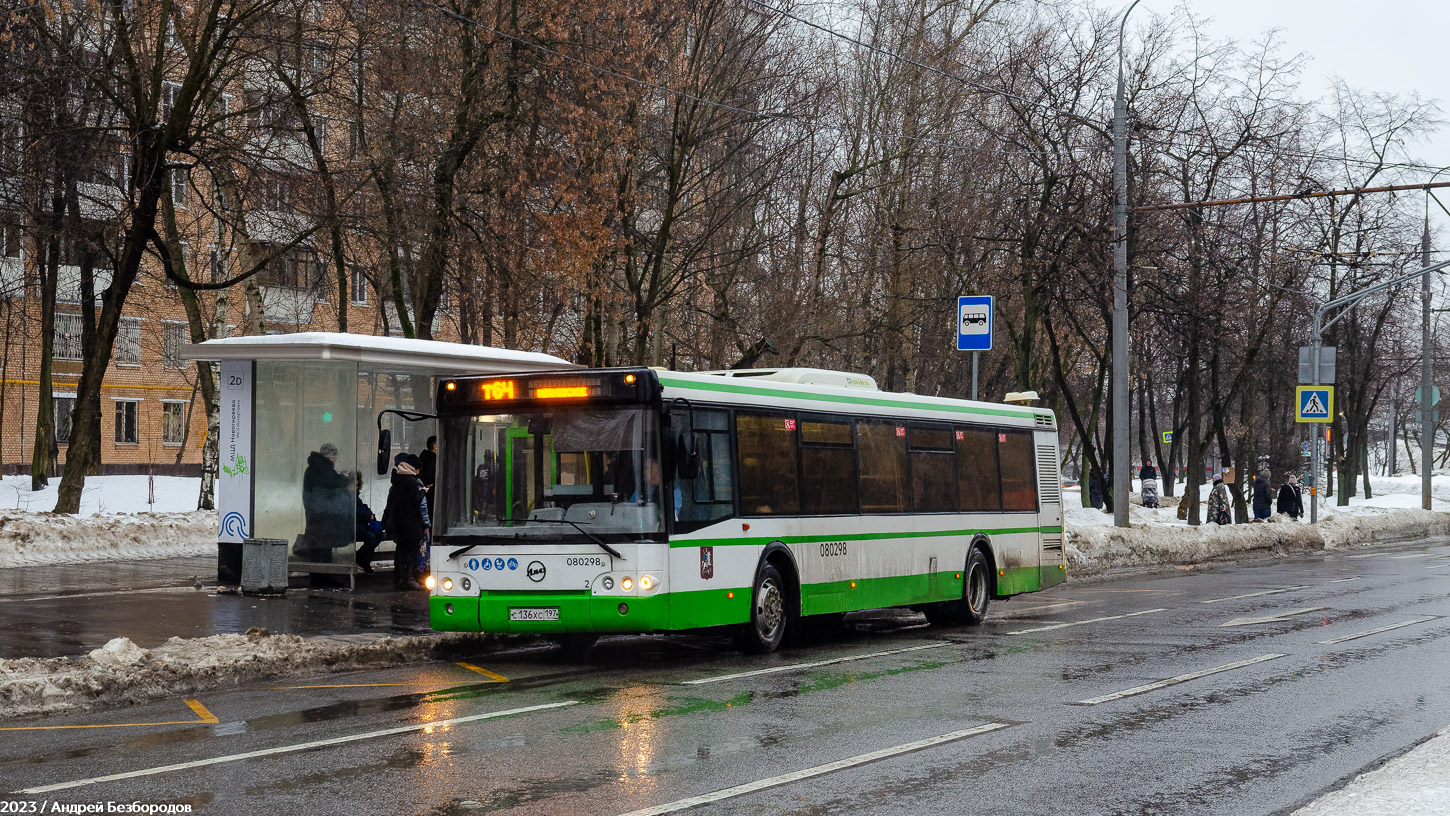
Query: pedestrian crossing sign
x,y
1315,403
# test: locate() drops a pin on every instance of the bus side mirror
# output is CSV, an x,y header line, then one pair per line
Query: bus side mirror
x,y
687,456
385,448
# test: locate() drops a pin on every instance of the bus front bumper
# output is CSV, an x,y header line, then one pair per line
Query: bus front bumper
x,y
576,612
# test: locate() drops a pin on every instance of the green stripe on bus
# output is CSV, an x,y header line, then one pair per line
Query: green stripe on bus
x,y
753,390
759,541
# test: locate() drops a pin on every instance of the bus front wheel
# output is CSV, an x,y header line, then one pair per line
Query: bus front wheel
x,y
769,612
976,591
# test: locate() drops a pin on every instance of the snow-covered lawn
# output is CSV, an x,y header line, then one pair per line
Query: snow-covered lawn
x,y
107,494
1416,784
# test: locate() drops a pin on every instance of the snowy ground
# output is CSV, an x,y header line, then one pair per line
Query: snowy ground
x,y
1416,784
107,494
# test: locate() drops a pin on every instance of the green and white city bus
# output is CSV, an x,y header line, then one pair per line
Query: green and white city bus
x,y
638,500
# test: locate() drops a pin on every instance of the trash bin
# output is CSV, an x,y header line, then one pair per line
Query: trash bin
x,y
264,566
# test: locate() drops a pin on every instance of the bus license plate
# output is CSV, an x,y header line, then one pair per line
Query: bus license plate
x,y
549,614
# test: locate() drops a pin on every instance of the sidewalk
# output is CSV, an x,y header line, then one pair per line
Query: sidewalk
x,y
1416,784
63,611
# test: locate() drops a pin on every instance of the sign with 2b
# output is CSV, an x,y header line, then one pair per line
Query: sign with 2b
x,y
974,322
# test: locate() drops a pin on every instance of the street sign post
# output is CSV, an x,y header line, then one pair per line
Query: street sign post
x,y
974,328
1314,403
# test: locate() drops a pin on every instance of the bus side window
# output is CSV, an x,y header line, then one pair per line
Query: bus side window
x,y
769,483
978,482
882,445
828,463
933,477
1019,471
710,496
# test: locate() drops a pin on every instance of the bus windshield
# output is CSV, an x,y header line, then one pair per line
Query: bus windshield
x,y
557,473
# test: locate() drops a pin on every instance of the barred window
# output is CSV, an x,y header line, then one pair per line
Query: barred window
x,y
62,407
174,336
127,412
128,342
67,336
173,423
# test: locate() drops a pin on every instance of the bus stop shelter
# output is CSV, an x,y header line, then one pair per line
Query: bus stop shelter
x,y
311,399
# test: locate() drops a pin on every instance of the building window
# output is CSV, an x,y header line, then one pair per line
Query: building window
x,y
173,423
359,286
61,406
128,342
9,241
126,425
175,335
178,186
67,337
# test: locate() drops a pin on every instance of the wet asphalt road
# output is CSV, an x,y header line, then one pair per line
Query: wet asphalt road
x,y
1057,705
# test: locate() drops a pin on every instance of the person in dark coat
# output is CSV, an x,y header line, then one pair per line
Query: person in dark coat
x,y
428,464
1263,496
369,535
1095,488
406,520
1148,471
327,504
1291,500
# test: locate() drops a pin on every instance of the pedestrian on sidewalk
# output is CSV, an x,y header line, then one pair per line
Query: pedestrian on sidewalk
x,y
1218,502
1291,500
406,520
1263,496
1148,479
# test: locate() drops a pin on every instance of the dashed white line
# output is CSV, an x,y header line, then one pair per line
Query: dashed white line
x,y
1411,555
1084,622
830,767
811,665
1342,580
1173,681
286,749
1357,635
1256,594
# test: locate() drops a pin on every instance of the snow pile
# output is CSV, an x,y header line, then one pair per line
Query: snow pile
x,y
121,672
1416,784
1158,537
30,539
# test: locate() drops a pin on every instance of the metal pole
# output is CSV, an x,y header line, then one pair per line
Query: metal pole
x,y
1121,468
1317,343
1394,411
975,355
1427,390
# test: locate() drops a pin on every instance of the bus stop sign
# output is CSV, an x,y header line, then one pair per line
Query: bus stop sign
x,y
974,323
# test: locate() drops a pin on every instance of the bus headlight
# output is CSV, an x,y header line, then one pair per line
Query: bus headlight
x,y
646,582
626,583
429,582
447,584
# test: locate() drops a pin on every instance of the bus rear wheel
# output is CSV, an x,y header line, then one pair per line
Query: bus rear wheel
x,y
769,612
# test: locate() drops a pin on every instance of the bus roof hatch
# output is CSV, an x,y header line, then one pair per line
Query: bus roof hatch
x,y
804,376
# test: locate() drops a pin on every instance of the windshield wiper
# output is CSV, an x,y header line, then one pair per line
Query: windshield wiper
x,y
578,526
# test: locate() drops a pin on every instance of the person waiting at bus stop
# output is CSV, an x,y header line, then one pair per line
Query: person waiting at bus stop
x,y
327,506
406,519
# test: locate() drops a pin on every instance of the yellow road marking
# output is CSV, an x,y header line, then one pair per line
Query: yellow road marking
x,y
207,718
497,678
201,711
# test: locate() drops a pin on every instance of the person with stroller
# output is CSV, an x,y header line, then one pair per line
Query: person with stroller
x,y
1148,476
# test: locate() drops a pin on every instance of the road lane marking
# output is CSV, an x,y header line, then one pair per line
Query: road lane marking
x,y
1173,681
205,718
1412,555
1256,594
798,666
1082,622
497,678
1342,580
287,749
357,685
171,590
1343,638
1274,618
201,711
818,770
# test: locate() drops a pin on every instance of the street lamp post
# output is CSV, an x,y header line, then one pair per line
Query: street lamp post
x,y
1122,477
